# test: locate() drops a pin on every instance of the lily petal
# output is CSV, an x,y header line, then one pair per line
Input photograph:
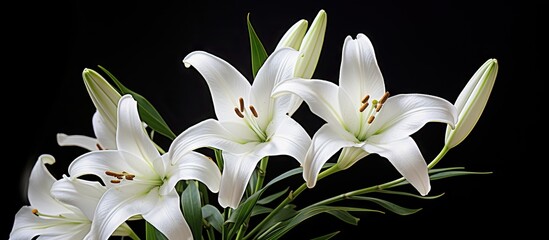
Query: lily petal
x,y
116,206
404,114
166,217
405,156
98,162
40,183
193,166
80,193
360,73
327,141
28,226
237,170
104,133
82,141
287,137
208,133
131,136
320,96
277,68
226,83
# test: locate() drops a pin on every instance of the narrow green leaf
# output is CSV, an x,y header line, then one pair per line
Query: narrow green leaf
x,y
448,174
410,194
259,55
437,170
192,208
344,216
272,197
327,236
212,215
309,212
151,233
147,112
286,213
258,209
388,205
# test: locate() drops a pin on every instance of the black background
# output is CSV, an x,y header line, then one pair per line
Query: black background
x,y
430,47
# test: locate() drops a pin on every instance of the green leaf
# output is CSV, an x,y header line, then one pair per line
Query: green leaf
x,y
212,215
344,216
191,205
307,213
259,55
272,197
151,233
286,213
388,205
147,112
410,194
448,174
327,236
258,209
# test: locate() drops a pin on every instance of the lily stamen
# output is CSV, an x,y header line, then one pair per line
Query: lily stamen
x,y
98,146
119,176
384,98
378,106
371,119
364,106
238,113
366,98
39,214
254,112
241,101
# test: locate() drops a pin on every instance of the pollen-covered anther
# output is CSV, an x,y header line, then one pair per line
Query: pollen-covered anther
x,y
241,102
371,119
384,98
366,98
114,174
129,176
98,146
238,113
254,112
115,181
364,106
35,211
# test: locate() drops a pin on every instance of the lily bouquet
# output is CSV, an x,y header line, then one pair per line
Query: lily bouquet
x,y
210,182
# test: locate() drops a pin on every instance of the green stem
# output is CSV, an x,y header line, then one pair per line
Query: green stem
x,y
380,186
134,236
261,174
437,159
291,196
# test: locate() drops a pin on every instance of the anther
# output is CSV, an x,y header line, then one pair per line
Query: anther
x,y
98,146
129,176
35,211
364,106
378,106
371,119
114,174
384,98
254,112
366,98
115,181
238,113
241,101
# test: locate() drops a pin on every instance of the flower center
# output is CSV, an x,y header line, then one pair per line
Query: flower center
x,y
368,112
118,177
250,117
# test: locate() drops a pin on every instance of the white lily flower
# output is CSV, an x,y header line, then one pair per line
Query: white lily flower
x,y
105,99
308,44
141,181
251,125
362,118
471,102
65,212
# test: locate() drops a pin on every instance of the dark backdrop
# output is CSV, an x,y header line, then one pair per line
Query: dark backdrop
x,y
430,47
